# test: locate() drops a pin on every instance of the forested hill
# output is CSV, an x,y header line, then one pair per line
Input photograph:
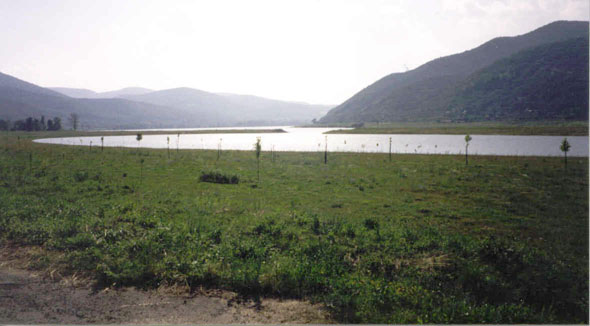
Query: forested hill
x,y
425,93
546,82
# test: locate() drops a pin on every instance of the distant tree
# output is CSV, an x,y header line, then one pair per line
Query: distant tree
x,y
314,121
4,124
29,124
18,125
56,124
43,126
74,120
467,140
36,125
565,147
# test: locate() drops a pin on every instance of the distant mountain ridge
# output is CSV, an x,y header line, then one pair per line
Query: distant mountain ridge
x,y
424,94
8,82
203,109
231,109
87,93
20,99
136,107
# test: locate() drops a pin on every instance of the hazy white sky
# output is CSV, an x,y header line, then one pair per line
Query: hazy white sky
x,y
317,51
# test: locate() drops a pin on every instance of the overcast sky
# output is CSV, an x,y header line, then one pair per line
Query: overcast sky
x,y
316,51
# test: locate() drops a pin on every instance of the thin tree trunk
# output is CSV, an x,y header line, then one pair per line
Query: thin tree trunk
x,y
389,149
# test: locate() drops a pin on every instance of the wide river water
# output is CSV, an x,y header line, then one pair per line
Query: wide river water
x,y
314,139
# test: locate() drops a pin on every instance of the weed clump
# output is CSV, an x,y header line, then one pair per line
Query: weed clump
x,y
371,224
81,176
217,177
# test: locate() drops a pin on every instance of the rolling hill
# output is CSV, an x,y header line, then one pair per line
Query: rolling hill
x,y
20,99
143,108
210,109
426,93
197,108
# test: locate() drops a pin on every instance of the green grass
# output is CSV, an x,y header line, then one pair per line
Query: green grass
x,y
553,128
421,239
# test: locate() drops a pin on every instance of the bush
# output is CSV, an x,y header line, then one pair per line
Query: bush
x,y
80,176
216,177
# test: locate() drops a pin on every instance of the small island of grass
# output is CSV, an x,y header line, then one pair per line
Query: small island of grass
x,y
568,128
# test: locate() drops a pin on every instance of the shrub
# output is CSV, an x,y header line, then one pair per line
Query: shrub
x,y
80,176
217,177
371,224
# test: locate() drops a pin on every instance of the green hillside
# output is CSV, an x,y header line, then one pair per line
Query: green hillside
x,y
546,82
425,93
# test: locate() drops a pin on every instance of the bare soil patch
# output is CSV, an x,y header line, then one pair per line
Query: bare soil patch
x,y
44,296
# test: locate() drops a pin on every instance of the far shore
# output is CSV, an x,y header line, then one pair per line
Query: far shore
x,y
95,133
558,128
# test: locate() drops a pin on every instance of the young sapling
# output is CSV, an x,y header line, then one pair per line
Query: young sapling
x,y
565,147
168,142
258,149
389,149
139,137
467,140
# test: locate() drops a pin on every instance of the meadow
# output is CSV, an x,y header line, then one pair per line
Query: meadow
x,y
545,128
418,239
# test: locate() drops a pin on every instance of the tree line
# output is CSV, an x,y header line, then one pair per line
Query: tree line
x,y
31,124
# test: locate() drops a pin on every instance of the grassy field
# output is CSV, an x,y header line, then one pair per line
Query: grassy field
x,y
575,128
420,239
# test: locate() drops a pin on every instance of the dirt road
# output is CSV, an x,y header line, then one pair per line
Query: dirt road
x,y
39,297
